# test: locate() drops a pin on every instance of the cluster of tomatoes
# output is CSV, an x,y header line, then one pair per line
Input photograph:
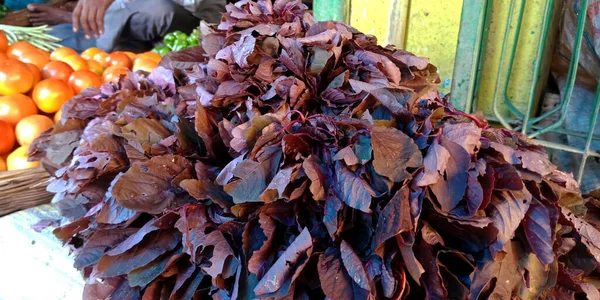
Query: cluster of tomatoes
x,y
34,84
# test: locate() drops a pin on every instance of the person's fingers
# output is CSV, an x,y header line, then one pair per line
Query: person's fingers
x,y
36,17
92,23
70,6
85,22
31,7
77,16
100,20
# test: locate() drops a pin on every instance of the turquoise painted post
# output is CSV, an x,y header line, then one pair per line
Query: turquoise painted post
x,y
471,41
336,10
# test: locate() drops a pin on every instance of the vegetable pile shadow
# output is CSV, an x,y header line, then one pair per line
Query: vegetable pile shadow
x,y
292,159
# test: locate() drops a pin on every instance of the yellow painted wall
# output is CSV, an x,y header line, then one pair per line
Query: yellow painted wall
x,y
372,17
425,27
521,76
430,28
433,32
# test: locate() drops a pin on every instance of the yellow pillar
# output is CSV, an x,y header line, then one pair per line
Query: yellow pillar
x,y
425,27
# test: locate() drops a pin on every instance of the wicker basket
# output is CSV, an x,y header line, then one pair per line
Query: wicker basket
x,y
21,17
23,189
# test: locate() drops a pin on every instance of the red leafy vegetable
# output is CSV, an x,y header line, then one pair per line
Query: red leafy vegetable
x,y
293,159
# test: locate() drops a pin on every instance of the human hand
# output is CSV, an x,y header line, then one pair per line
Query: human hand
x,y
89,16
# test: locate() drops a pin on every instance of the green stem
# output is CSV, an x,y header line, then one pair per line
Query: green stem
x,y
23,29
37,36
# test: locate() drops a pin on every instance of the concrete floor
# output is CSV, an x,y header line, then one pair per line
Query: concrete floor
x,y
35,266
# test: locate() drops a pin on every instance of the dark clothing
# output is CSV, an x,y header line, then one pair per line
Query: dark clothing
x,y
138,25
75,41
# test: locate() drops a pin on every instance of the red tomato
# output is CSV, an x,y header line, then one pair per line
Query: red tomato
x,y
50,94
37,74
17,49
101,58
31,127
15,78
112,74
7,142
61,53
89,53
120,59
3,41
145,64
149,55
13,108
35,57
57,70
17,160
76,62
57,116
81,80
95,67
45,53
130,54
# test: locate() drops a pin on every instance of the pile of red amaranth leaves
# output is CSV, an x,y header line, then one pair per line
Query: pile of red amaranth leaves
x,y
293,159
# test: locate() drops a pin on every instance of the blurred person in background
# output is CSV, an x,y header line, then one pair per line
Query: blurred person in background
x,y
123,25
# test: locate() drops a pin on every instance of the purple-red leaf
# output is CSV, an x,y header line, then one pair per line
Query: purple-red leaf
x,y
330,217
335,281
431,278
347,155
244,49
450,190
205,189
507,211
223,262
395,218
536,162
466,135
393,153
284,267
113,213
277,187
474,193
319,177
353,190
184,59
146,187
507,178
414,267
262,258
435,164
154,245
98,244
590,236
538,231
509,154
143,276
287,148
354,266
253,177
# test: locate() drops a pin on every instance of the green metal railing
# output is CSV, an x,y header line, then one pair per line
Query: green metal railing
x,y
336,10
476,18
508,97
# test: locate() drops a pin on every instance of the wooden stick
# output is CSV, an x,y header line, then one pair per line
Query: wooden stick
x,y
22,189
21,17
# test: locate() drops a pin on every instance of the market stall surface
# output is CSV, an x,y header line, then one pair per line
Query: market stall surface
x,y
35,265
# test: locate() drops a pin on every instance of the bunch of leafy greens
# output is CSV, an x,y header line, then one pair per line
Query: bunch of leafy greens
x,y
292,159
